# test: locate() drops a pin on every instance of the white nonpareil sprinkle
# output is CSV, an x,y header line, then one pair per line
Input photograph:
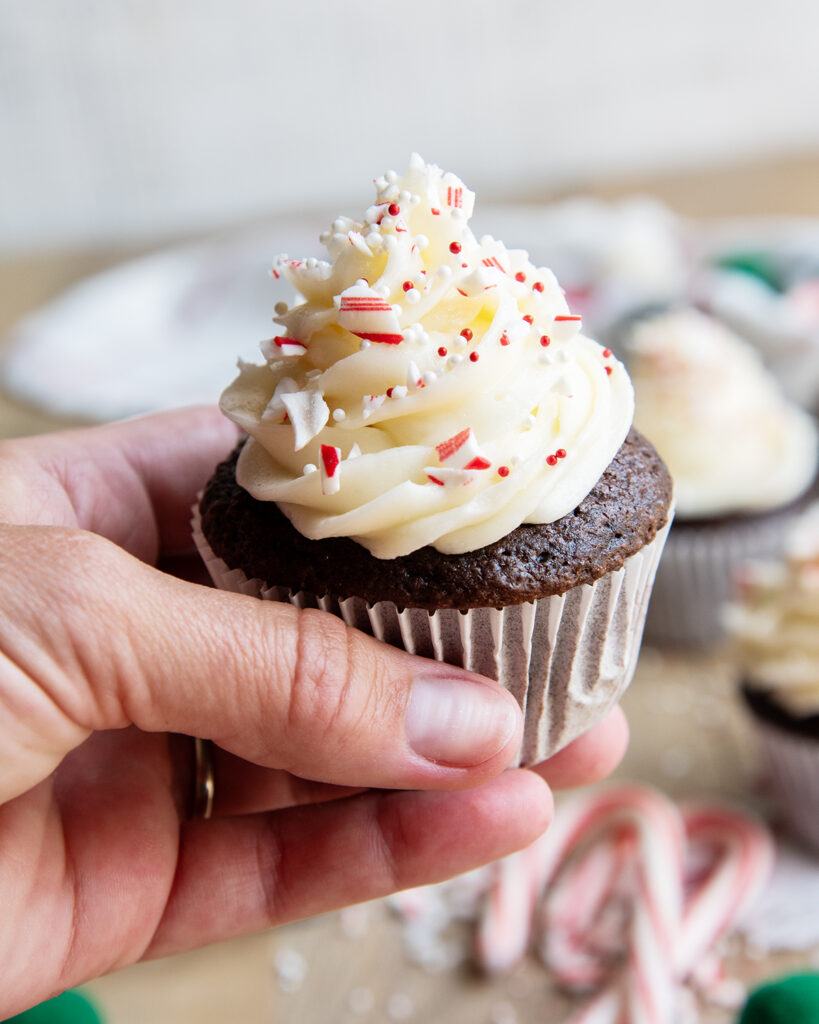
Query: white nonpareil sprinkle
x,y
309,468
339,415
281,308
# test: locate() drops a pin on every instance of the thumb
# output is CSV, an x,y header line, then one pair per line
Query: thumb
x,y
105,641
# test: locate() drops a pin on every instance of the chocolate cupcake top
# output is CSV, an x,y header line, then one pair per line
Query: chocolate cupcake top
x,y
429,389
624,510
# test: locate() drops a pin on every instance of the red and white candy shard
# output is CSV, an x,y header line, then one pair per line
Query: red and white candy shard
x,y
444,477
565,327
368,315
330,466
308,413
370,403
275,408
357,239
456,196
275,348
414,378
462,452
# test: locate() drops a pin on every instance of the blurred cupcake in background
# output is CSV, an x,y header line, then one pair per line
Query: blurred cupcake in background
x,y
742,457
774,622
763,281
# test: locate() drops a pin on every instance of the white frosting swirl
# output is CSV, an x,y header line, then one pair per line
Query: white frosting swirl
x,y
438,383
731,441
775,621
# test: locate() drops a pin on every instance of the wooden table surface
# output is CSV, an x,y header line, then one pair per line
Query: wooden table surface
x,y
689,737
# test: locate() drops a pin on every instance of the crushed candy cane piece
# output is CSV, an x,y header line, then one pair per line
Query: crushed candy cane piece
x,y
330,469
368,315
308,412
275,348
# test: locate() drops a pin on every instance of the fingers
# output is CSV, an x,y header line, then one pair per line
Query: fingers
x,y
132,482
591,757
106,641
246,788
242,874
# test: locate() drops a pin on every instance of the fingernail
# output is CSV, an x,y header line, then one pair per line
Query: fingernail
x,y
457,721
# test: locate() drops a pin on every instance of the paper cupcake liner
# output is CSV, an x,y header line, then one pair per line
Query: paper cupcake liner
x,y
566,659
792,764
695,578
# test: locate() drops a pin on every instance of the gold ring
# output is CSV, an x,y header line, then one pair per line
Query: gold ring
x,y
204,781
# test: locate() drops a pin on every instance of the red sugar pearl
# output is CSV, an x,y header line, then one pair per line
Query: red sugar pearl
x,y
442,351
455,247
538,286
394,209
561,453
473,357
529,318
551,460
389,392
545,340
504,338
606,353
407,285
608,370
503,471
466,333
520,276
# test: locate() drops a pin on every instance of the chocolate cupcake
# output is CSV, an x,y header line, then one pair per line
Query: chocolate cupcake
x,y
439,456
774,624
742,457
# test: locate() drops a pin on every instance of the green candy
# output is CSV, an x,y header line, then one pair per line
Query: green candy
x,y
761,265
69,1008
790,1000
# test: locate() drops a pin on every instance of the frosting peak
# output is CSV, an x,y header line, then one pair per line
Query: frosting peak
x,y
731,440
429,387
775,620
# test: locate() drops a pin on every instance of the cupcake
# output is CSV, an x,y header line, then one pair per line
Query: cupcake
x,y
742,458
774,623
437,455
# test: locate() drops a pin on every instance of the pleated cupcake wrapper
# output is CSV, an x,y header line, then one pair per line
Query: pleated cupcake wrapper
x,y
567,659
792,764
695,578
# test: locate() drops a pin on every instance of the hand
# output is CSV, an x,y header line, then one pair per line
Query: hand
x,y
343,770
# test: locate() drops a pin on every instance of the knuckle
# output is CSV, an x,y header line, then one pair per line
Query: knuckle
x,y
390,835
322,684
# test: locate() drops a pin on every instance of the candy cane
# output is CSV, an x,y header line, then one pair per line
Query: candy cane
x,y
630,896
651,825
742,862
581,947
505,924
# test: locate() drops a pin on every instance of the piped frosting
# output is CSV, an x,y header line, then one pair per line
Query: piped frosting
x,y
446,374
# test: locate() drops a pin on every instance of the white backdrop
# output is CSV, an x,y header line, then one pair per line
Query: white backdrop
x,y
130,119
